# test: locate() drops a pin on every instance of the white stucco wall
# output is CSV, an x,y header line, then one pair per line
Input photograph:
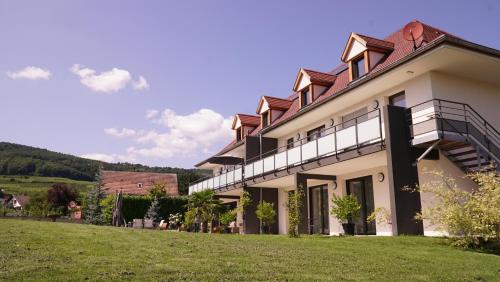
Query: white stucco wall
x,y
425,177
482,97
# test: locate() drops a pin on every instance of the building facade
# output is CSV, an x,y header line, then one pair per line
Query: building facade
x,y
420,99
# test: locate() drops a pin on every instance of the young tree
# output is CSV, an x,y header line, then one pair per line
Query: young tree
x,y
294,215
266,214
154,210
157,191
93,206
60,195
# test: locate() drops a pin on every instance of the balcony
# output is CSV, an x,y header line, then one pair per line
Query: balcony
x,y
351,135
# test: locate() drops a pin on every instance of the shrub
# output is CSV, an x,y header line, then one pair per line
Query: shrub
x,y
227,217
175,220
137,206
204,206
294,206
344,208
157,191
266,214
108,204
471,218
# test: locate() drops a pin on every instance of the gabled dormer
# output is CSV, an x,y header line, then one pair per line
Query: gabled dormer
x,y
244,124
311,84
362,53
271,108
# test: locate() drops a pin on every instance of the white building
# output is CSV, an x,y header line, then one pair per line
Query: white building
x,y
369,127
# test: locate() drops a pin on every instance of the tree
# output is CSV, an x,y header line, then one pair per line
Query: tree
x,y
244,201
153,211
294,206
108,204
93,206
203,206
157,191
266,214
60,195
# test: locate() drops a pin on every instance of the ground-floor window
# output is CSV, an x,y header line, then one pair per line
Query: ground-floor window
x,y
318,210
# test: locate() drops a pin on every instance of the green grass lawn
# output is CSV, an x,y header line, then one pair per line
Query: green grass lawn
x,y
46,251
34,184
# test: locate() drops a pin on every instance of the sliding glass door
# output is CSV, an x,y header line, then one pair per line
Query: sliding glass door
x,y
318,209
362,189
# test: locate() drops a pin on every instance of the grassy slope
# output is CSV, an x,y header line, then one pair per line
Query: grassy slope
x,y
33,184
34,250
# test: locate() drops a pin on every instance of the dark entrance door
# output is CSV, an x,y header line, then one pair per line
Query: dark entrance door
x,y
318,210
362,189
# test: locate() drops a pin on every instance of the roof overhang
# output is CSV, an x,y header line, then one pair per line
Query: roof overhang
x,y
428,58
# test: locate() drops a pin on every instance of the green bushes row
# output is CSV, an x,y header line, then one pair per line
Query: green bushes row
x,y
137,206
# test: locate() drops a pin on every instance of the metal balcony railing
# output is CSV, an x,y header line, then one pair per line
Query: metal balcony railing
x,y
441,117
350,135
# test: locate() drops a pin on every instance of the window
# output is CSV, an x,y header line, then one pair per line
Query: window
x,y
315,133
265,119
139,185
289,143
358,68
238,134
356,116
304,97
398,99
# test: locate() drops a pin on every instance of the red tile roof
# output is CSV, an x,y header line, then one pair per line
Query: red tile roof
x,y
374,42
249,119
126,181
321,77
278,103
340,77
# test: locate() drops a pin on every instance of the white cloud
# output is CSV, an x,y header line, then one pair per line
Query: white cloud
x,y
124,132
107,81
31,73
109,158
140,84
152,114
184,136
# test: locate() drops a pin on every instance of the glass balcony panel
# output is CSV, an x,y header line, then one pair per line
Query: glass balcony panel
x,y
237,174
294,156
309,150
230,177
216,182
249,171
257,167
368,130
326,144
346,138
269,164
280,160
223,179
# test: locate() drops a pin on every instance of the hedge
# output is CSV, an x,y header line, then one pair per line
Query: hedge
x,y
137,206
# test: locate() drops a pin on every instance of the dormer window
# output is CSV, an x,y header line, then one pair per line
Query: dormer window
x,y
312,84
358,67
363,53
304,97
265,119
238,134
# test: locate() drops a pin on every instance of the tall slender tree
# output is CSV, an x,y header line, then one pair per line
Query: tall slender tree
x,y
93,206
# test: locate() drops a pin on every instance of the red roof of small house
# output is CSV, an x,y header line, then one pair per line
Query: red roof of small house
x,y
247,119
137,183
274,103
375,42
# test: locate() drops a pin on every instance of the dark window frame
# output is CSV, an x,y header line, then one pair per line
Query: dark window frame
x,y
392,99
265,119
304,97
315,133
238,134
355,68
289,143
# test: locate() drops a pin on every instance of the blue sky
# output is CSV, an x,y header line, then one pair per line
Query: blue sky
x,y
157,82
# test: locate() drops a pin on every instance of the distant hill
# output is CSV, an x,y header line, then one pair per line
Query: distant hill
x,y
18,159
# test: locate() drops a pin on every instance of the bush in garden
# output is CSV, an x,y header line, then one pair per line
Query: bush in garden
x,y
471,218
60,195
